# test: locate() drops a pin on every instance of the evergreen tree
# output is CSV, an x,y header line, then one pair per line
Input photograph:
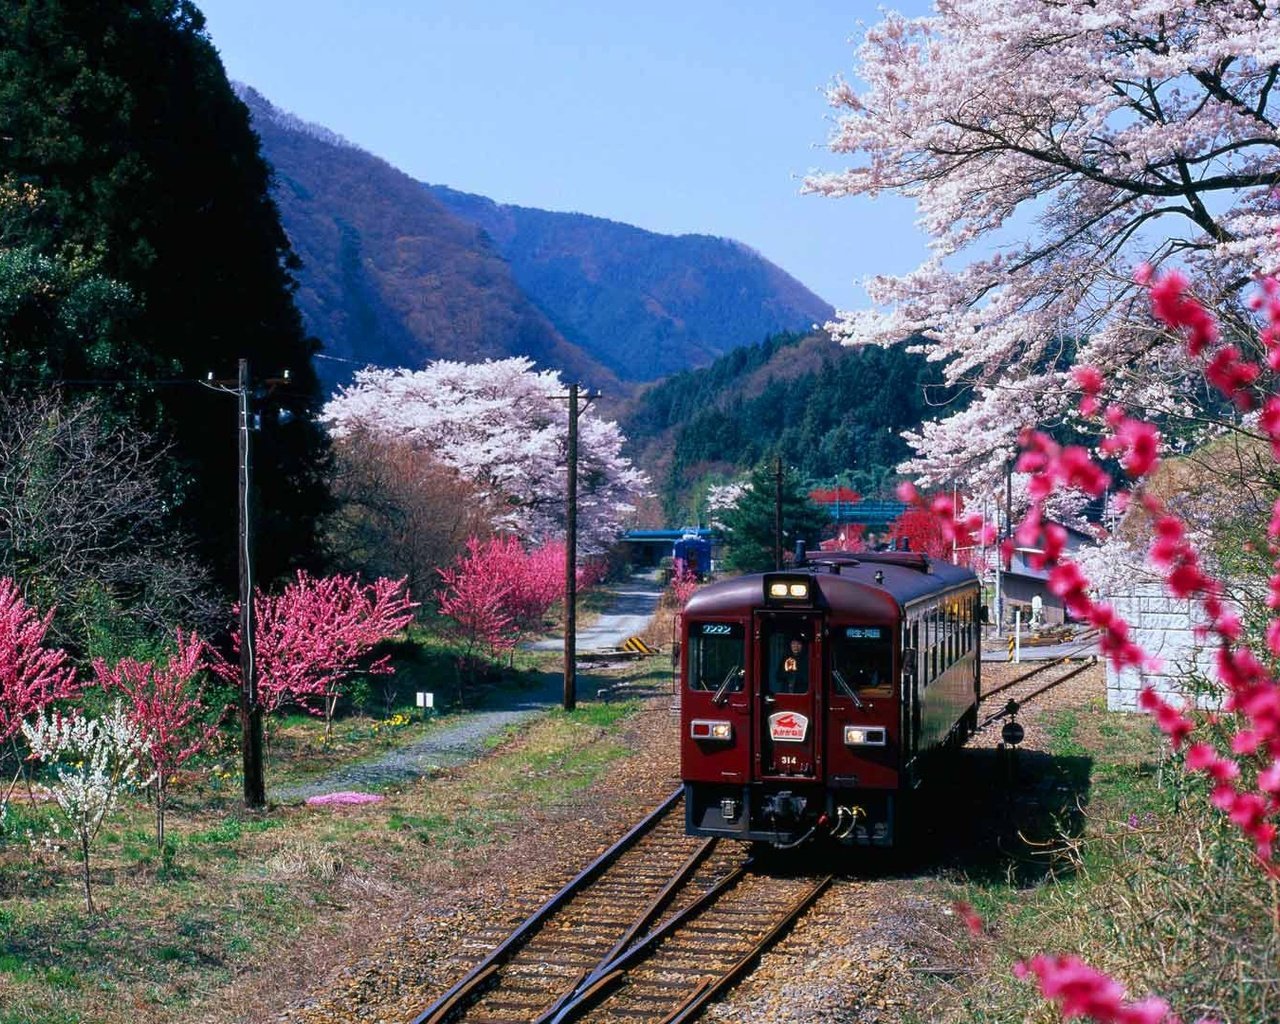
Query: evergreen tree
x,y
750,525
128,165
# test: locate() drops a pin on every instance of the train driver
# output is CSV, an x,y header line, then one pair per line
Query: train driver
x,y
791,674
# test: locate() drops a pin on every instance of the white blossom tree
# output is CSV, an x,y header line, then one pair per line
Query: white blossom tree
x,y
92,761
1130,130
504,427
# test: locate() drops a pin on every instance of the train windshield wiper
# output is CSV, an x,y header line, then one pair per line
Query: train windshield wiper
x,y
719,694
840,682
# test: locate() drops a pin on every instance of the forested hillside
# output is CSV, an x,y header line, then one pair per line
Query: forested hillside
x,y
389,276
831,412
138,243
643,303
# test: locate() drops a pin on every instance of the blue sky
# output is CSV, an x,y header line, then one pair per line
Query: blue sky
x,y
698,116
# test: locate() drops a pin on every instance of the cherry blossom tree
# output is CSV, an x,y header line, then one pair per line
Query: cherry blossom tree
x,y
166,706
504,427
312,636
1128,132
32,676
93,760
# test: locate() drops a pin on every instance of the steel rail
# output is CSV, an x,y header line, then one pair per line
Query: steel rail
x,y
591,980
471,984
1044,667
1014,706
616,968
709,990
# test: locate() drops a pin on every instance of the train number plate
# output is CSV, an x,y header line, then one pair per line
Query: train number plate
x,y
788,727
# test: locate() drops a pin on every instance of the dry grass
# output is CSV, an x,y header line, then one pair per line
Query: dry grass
x,y
251,909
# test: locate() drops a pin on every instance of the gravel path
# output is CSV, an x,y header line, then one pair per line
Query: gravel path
x,y
446,747
631,607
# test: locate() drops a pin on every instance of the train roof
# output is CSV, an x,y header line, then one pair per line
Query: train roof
x,y
844,583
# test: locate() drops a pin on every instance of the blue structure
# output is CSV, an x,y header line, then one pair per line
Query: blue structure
x,y
875,515
649,547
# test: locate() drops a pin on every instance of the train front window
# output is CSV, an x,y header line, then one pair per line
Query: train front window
x,y
715,659
863,657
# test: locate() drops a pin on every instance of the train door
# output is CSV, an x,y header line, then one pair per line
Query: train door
x,y
790,693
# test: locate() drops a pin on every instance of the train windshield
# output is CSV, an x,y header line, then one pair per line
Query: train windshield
x,y
716,656
863,657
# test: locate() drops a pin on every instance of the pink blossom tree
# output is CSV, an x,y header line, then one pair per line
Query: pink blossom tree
x,y
535,581
1130,132
32,676
312,636
166,706
474,596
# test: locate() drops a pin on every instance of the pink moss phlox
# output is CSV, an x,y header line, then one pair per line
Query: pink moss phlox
x,y
344,798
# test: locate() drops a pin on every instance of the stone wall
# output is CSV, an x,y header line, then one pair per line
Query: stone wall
x,y
1164,627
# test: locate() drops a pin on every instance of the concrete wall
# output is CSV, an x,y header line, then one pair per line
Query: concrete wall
x,y
1163,627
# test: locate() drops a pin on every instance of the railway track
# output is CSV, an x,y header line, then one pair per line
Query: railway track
x,y
654,929
1007,699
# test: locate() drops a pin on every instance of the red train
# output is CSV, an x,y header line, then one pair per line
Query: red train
x,y
815,700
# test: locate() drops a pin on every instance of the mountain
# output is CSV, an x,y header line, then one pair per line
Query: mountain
x,y
388,275
643,303
396,273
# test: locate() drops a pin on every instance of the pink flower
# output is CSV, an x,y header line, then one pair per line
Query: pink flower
x,y
970,916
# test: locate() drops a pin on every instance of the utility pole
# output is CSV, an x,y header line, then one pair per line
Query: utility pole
x,y
777,512
255,794
571,560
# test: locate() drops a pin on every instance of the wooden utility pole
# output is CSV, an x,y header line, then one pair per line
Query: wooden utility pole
x,y
255,793
571,558
777,513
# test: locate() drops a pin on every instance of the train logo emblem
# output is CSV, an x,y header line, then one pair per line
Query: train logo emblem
x,y
788,726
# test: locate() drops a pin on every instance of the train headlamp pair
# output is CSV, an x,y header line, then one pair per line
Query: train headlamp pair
x,y
788,589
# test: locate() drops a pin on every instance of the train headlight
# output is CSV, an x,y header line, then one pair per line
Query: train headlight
x,y
777,590
864,736
705,729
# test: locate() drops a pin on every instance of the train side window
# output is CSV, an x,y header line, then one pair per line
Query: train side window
x,y
716,656
935,646
863,657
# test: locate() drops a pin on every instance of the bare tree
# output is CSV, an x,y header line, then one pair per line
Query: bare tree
x,y
84,522
400,512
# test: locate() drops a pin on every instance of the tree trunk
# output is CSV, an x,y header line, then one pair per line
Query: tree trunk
x,y
161,794
330,706
84,849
